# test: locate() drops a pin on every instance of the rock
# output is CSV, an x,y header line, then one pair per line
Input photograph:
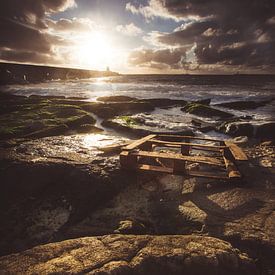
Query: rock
x,y
266,130
109,110
267,143
120,98
191,213
75,123
243,105
202,125
88,128
205,111
49,186
206,101
120,254
238,129
140,131
49,131
164,102
131,227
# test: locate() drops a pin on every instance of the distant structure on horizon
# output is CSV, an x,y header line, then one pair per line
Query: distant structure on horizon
x,y
107,69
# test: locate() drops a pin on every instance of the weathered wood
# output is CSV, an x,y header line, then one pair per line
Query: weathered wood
x,y
190,137
170,156
236,151
232,169
161,169
137,143
168,170
135,155
211,175
155,141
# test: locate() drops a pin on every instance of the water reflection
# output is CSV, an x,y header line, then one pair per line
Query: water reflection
x,y
100,140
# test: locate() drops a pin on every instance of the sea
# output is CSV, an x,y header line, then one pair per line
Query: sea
x,y
219,88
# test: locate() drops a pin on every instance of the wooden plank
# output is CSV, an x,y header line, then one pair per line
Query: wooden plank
x,y
169,156
211,175
236,151
161,169
137,143
232,169
190,137
146,167
187,144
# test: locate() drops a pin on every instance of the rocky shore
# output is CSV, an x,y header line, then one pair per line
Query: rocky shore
x,y
67,207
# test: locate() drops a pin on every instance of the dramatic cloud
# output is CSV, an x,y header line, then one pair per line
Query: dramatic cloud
x,y
71,25
130,29
24,32
160,59
222,32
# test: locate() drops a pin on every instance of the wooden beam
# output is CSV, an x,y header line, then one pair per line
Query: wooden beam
x,y
137,143
146,167
190,137
155,141
233,171
236,151
211,175
169,156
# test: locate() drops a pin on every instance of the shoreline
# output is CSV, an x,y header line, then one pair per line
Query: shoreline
x,y
59,185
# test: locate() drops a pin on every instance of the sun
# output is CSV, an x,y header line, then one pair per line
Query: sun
x,y
95,50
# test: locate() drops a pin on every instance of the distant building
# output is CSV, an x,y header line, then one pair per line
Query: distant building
x,y
107,69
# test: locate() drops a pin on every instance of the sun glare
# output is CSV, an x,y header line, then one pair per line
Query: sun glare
x,y
95,51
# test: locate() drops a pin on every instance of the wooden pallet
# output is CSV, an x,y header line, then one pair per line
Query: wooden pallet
x,y
218,162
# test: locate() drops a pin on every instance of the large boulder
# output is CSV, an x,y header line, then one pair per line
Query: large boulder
x,y
238,129
205,111
243,105
122,254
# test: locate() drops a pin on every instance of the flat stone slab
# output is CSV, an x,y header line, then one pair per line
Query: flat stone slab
x,y
130,254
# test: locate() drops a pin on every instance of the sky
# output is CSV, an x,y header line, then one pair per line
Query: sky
x,y
148,36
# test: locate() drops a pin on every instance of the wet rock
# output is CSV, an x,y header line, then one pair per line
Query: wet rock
x,y
49,131
206,101
164,102
46,185
75,123
266,130
205,111
140,130
108,110
131,227
243,105
120,98
203,126
88,128
122,254
238,129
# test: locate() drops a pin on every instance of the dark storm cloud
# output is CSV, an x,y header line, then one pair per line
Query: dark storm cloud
x,y
23,30
229,32
160,59
25,56
32,11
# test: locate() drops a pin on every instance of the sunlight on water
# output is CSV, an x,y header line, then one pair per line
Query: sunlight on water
x,y
99,140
